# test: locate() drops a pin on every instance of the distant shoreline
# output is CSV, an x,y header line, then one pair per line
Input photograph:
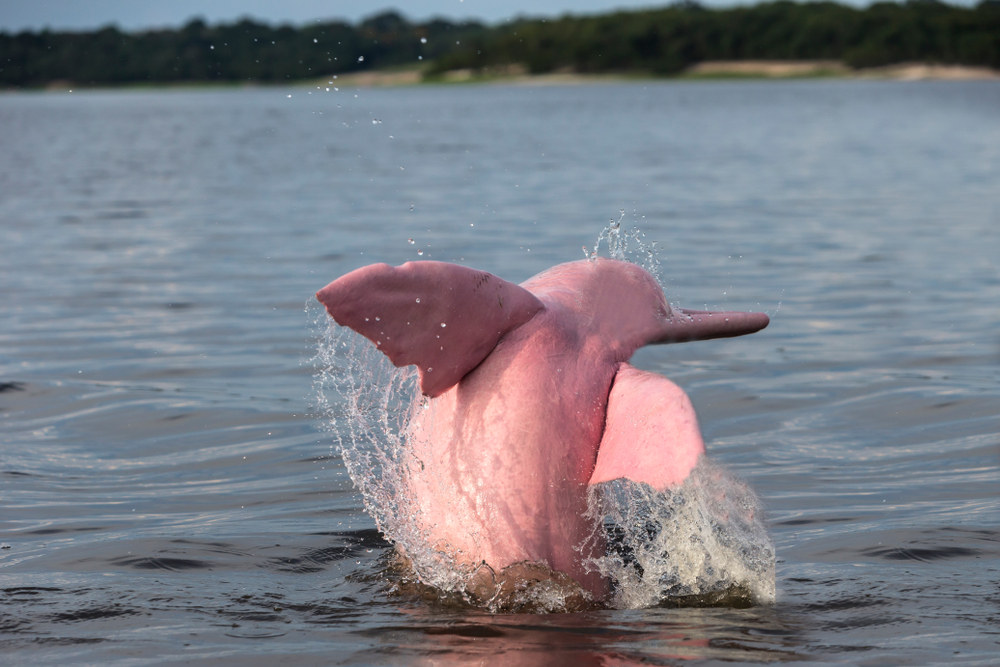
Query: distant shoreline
x,y
773,39
779,69
720,70
726,70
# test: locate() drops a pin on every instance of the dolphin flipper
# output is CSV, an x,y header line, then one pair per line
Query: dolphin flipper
x,y
651,432
441,317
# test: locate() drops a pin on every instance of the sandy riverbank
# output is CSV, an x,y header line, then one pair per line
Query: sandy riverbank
x,y
919,71
763,69
779,69
518,75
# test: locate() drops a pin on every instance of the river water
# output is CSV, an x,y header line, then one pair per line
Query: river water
x,y
168,493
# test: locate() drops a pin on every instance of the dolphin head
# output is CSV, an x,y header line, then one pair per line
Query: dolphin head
x,y
627,305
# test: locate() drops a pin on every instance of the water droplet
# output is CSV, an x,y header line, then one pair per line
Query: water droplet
x,y
377,319
366,319
420,252
361,59
315,41
410,241
418,299
429,369
443,325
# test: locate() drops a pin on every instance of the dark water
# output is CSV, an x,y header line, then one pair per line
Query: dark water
x,y
167,494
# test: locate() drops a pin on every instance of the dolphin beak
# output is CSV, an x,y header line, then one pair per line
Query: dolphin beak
x,y
686,325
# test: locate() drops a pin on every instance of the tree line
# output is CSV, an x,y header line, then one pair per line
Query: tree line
x,y
661,41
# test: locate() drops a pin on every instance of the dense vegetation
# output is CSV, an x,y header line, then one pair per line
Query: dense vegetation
x,y
243,51
670,39
662,41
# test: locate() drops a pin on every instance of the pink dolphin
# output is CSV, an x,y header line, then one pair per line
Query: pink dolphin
x,y
533,398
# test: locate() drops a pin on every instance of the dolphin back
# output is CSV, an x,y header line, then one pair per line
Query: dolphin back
x,y
442,318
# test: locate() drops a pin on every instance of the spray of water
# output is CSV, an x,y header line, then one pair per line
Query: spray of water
x,y
704,543
628,245
368,404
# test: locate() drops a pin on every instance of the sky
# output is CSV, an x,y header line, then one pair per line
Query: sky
x,y
17,15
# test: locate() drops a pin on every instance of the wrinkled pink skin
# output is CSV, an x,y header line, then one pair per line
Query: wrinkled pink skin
x,y
533,398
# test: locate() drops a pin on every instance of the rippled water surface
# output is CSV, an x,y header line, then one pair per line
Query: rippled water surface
x,y
168,494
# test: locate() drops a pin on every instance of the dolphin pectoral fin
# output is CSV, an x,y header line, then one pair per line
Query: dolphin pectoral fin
x,y
441,317
651,432
686,325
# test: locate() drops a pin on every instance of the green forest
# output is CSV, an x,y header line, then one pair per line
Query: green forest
x,y
662,41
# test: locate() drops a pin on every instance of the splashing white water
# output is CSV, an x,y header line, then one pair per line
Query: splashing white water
x,y
368,403
697,544
627,245
706,538
701,542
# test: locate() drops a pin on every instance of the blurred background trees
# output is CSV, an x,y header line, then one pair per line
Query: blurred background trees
x,y
661,41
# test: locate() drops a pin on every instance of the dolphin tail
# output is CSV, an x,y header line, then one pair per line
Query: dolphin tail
x,y
441,317
651,432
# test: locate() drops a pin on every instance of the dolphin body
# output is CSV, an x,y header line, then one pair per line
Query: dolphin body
x,y
532,398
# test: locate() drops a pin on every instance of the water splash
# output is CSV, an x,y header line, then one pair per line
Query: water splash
x,y
368,403
628,245
703,543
